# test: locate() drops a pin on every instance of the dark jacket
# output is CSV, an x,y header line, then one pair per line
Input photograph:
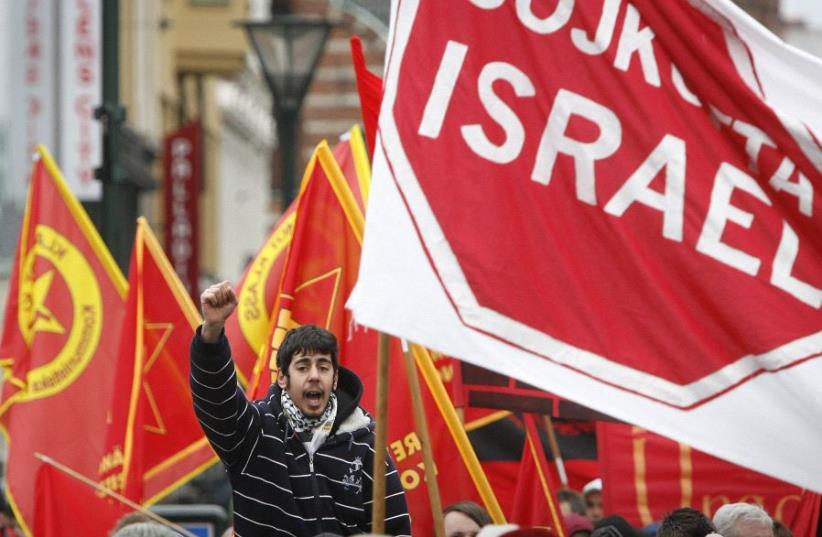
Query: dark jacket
x,y
278,490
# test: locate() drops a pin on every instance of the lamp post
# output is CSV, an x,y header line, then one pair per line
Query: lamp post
x,y
289,48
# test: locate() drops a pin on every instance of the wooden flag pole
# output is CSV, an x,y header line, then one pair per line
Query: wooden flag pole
x,y
554,445
380,440
108,492
425,440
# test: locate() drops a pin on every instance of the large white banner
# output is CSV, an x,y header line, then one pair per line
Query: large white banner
x,y
32,80
615,202
80,93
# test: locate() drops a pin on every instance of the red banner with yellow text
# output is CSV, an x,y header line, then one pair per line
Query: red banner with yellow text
x,y
645,476
60,336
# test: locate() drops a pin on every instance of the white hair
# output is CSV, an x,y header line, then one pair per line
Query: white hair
x,y
730,515
145,529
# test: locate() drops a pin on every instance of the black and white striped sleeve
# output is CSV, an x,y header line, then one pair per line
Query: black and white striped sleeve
x,y
230,423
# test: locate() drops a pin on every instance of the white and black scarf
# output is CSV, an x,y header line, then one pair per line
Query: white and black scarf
x,y
299,421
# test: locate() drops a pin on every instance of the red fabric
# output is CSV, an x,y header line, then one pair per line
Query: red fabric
x,y
60,334
369,86
65,507
535,501
646,476
805,519
152,424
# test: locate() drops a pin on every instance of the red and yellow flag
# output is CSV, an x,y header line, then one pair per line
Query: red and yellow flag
x,y
257,289
154,441
319,274
60,336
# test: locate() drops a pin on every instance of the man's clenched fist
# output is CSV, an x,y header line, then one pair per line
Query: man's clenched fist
x,y
217,303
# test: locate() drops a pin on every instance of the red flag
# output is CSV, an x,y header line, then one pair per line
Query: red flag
x,y
369,86
535,501
60,334
645,476
249,328
805,521
155,442
61,501
320,271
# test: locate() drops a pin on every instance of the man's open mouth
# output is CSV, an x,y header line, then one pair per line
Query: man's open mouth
x,y
314,395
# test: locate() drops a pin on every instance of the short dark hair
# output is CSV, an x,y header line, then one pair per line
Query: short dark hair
x,y
685,522
308,338
574,500
781,530
472,510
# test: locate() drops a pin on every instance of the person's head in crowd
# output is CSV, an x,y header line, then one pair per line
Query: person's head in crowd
x,y
570,501
135,517
781,530
464,519
743,520
592,494
685,522
145,529
577,525
614,526
650,530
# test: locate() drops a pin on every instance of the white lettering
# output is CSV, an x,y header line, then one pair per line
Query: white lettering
x,y
682,88
802,189
634,40
444,82
670,155
756,138
604,32
548,25
500,112
728,178
783,266
554,141
487,4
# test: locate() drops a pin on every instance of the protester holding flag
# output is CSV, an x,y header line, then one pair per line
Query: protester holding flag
x,y
298,459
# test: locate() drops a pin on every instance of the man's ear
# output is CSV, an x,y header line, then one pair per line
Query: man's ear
x,y
282,382
336,378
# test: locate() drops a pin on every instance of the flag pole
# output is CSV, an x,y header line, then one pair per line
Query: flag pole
x,y
422,430
554,445
108,492
380,440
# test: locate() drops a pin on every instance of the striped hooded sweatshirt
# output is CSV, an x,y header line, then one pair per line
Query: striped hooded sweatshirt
x,y
278,489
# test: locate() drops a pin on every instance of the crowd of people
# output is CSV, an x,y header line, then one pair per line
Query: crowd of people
x,y
299,460
583,516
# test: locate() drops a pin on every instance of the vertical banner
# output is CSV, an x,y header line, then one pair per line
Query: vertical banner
x,y
31,78
182,171
80,93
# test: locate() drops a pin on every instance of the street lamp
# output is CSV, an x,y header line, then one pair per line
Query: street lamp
x,y
289,49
